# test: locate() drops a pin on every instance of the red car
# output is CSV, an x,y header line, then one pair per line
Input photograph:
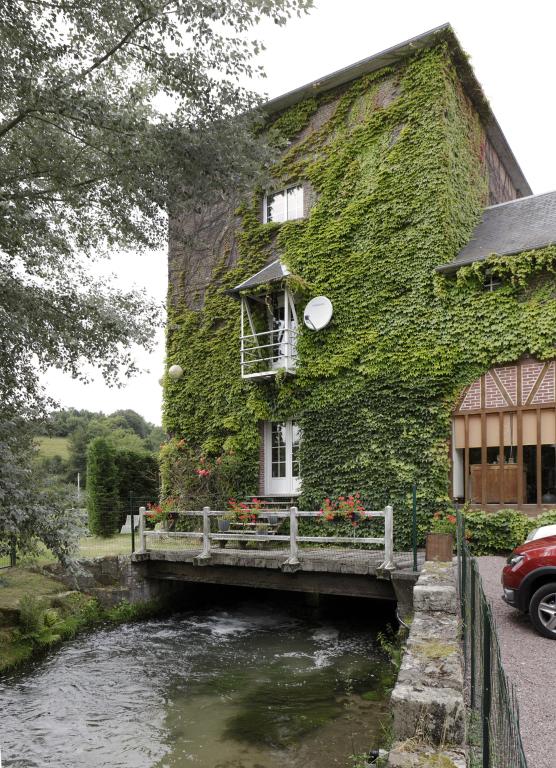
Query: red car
x,y
529,582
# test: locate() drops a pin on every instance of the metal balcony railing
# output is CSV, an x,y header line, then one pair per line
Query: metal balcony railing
x,y
265,353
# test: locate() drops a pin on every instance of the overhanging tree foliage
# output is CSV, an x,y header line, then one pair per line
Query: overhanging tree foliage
x,y
88,163
106,111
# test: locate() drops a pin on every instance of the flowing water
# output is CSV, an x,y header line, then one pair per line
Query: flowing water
x,y
247,686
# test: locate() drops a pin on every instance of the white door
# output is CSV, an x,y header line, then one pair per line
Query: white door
x,y
281,451
283,324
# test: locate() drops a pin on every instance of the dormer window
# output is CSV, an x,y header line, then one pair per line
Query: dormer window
x,y
285,205
491,282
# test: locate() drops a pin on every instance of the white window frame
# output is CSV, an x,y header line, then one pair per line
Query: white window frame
x,y
491,283
284,190
280,486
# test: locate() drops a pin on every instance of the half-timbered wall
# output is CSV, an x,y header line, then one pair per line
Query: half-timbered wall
x,y
504,437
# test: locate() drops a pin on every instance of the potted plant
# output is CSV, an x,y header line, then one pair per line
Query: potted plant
x,y
161,516
440,539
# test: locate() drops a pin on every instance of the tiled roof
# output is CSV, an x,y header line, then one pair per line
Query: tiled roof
x,y
507,228
269,274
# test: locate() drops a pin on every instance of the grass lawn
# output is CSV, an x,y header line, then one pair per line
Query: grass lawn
x,y
89,546
53,446
95,546
16,582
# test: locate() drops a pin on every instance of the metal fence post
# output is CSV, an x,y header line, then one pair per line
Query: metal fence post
x,y
142,537
132,529
205,554
471,627
487,686
13,552
388,563
414,527
293,559
463,599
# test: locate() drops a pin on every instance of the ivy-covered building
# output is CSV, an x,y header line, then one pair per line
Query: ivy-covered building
x,y
400,201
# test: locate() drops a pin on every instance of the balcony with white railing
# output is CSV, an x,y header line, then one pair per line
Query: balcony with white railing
x,y
266,352
268,334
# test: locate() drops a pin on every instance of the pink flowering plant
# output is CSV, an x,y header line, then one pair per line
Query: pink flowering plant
x,y
158,513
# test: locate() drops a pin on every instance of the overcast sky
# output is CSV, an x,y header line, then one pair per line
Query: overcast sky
x,y
512,52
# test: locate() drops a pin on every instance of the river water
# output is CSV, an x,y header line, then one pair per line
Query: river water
x,y
251,685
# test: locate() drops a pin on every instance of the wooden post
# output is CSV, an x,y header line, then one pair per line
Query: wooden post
x,y
388,539
205,554
142,537
293,559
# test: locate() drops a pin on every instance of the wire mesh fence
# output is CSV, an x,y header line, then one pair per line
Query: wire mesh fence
x,y
494,735
124,522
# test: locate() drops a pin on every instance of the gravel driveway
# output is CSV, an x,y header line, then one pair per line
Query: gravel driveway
x,y
530,663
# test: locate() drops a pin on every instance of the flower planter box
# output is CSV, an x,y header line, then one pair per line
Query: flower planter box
x,y
439,547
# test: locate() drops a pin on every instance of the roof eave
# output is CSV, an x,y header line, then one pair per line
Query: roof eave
x,y
454,266
396,54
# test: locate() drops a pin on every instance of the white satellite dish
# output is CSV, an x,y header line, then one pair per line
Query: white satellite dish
x,y
318,313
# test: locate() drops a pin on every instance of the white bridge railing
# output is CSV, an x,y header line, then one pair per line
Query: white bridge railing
x,y
293,538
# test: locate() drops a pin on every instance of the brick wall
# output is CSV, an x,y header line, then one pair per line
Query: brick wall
x,y
534,374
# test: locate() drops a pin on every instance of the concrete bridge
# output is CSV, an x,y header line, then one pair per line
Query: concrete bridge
x,y
330,565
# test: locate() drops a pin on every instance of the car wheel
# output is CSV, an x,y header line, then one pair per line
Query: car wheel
x,y
542,610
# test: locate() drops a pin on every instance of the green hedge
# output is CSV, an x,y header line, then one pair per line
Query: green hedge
x,y
102,488
499,532
112,476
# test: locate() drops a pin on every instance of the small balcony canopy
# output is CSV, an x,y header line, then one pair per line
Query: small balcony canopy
x,y
270,274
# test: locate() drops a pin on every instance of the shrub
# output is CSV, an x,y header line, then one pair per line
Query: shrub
x,y
31,615
496,532
102,488
492,533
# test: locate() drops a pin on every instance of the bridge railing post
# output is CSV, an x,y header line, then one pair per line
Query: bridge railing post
x,y
293,559
205,554
142,537
388,563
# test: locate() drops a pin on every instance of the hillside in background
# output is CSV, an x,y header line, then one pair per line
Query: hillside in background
x,y
67,434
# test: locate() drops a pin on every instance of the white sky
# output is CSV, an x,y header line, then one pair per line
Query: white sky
x,y
512,52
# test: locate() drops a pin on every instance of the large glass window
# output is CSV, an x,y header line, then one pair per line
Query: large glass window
x,y
278,450
285,205
506,457
282,470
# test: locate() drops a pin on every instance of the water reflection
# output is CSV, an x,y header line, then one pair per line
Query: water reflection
x,y
250,687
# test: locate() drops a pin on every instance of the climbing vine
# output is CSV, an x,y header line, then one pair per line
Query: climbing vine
x,y
399,178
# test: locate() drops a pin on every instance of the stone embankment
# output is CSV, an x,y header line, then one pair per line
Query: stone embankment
x,y
113,579
428,699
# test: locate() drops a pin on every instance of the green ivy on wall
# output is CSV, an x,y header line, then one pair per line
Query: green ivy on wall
x,y
400,183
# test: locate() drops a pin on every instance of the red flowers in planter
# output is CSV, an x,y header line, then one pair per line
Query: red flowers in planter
x,y
344,508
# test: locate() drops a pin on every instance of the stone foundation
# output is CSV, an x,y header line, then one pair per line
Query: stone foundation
x,y
113,579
